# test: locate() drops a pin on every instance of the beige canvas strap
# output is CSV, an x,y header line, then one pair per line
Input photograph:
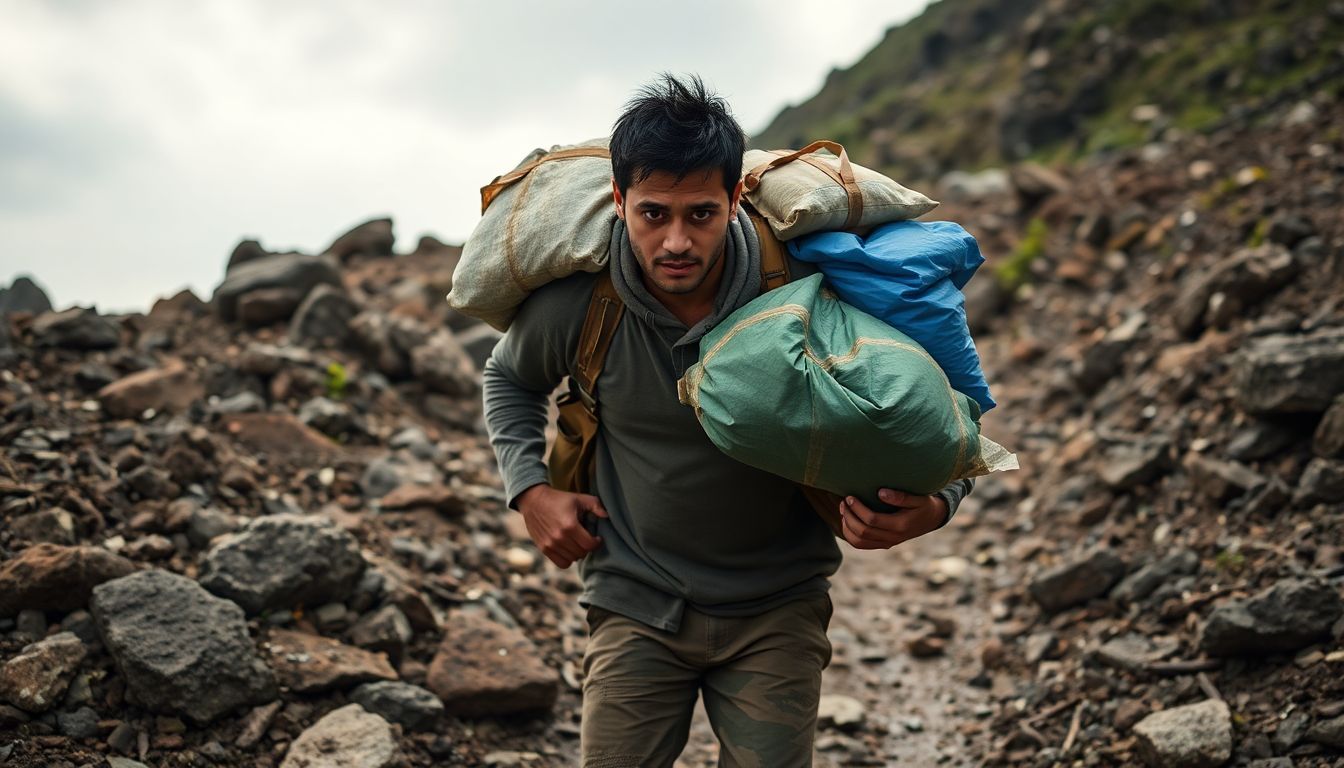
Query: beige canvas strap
x,y
774,264
599,328
844,177
490,191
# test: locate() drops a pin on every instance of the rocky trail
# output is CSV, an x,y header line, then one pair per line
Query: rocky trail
x,y
267,530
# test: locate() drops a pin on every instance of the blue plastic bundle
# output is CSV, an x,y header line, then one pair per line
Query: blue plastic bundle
x,y
909,274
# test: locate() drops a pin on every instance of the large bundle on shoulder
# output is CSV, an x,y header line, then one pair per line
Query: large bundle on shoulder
x,y
552,215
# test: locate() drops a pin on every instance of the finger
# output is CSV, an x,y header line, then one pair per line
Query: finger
x,y
565,548
857,533
558,559
594,505
885,521
898,498
585,541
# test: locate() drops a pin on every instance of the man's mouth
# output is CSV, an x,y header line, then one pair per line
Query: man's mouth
x,y
677,268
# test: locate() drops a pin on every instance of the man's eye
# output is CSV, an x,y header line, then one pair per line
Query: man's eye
x,y
702,216
652,215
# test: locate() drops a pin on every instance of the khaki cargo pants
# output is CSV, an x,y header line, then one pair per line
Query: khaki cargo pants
x,y
760,676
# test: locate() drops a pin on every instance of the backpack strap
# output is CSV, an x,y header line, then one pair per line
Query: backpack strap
x,y
605,309
774,262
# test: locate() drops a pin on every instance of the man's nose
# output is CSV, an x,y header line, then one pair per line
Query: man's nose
x,y
677,238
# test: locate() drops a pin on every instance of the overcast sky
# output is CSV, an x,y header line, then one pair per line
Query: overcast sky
x,y
140,140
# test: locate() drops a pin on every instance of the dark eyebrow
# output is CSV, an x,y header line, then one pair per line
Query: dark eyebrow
x,y
709,205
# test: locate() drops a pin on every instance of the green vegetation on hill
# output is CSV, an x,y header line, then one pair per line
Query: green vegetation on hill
x,y
973,83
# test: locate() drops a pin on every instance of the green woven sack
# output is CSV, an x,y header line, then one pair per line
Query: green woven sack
x,y
804,386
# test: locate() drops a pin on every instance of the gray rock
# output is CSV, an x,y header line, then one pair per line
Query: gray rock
x,y
1220,480
53,526
1225,292
415,440
23,295
377,336
1292,728
1328,732
76,328
1292,373
1321,482
329,417
243,402
1134,653
1289,615
179,648
388,473
292,271
1144,581
348,737
323,319
409,705
124,762
269,359
80,724
1261,439
1271,762
245,251
1290,228
1076,582
479,342
206,523
961,186
442,365
371,238
32,622
267,306
282,560
386,630
1192,736
81,623
37,678
1328,442
1126,466
151,482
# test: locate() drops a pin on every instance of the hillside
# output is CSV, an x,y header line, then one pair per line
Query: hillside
x,y
976,83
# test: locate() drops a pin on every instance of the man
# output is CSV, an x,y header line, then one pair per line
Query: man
x,y
701,574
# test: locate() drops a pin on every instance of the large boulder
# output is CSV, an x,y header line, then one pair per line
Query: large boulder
x,y
348,737
1289,615
1291,373
1192,736
170,389
76,328
295,272
483,668
372,238
283,560
323,319
180,649
49,577
23,295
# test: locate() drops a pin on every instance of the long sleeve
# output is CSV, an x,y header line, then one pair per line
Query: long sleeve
x,y
954,493
525,367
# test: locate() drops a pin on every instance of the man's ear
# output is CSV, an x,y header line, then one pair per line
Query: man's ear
x,y
734,199
620,202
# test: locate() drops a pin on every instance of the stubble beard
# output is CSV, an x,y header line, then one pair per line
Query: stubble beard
x,y
650,269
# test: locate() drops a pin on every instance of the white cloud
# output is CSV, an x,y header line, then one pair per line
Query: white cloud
x,y
141,139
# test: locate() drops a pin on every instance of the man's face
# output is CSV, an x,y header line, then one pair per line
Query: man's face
x,y
678,229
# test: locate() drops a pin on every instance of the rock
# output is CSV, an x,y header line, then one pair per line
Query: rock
x,y
1077,582
267,306
1261,439
1134,653
437,497
255,723
1328,732
926,646
282,560
323,319
348,737
842,712
1289,229
206,523
371,238
245,251
385,630
179,648
385,340
23,295
124,762
280,434
1290,615
442,365
51,526
479,341
294,272
483,668
1221,481
306,663
1142,582
80,724
56,578
1328,442
409,705
243,402
1229,290
151,482
329,417
961,186
1130,465
81,623
76,328
37,678
32,622
269,359
1192,736
387,474
1292,373
184,302
986,299
1292,728
170,389
1321,482
1033,183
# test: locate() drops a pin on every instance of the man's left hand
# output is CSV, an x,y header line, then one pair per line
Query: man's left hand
x,y
865,529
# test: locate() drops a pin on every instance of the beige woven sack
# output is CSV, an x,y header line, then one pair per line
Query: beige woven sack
x,y
548,218
802,192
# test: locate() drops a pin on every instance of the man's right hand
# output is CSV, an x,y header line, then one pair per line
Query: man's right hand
x,y
554,521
